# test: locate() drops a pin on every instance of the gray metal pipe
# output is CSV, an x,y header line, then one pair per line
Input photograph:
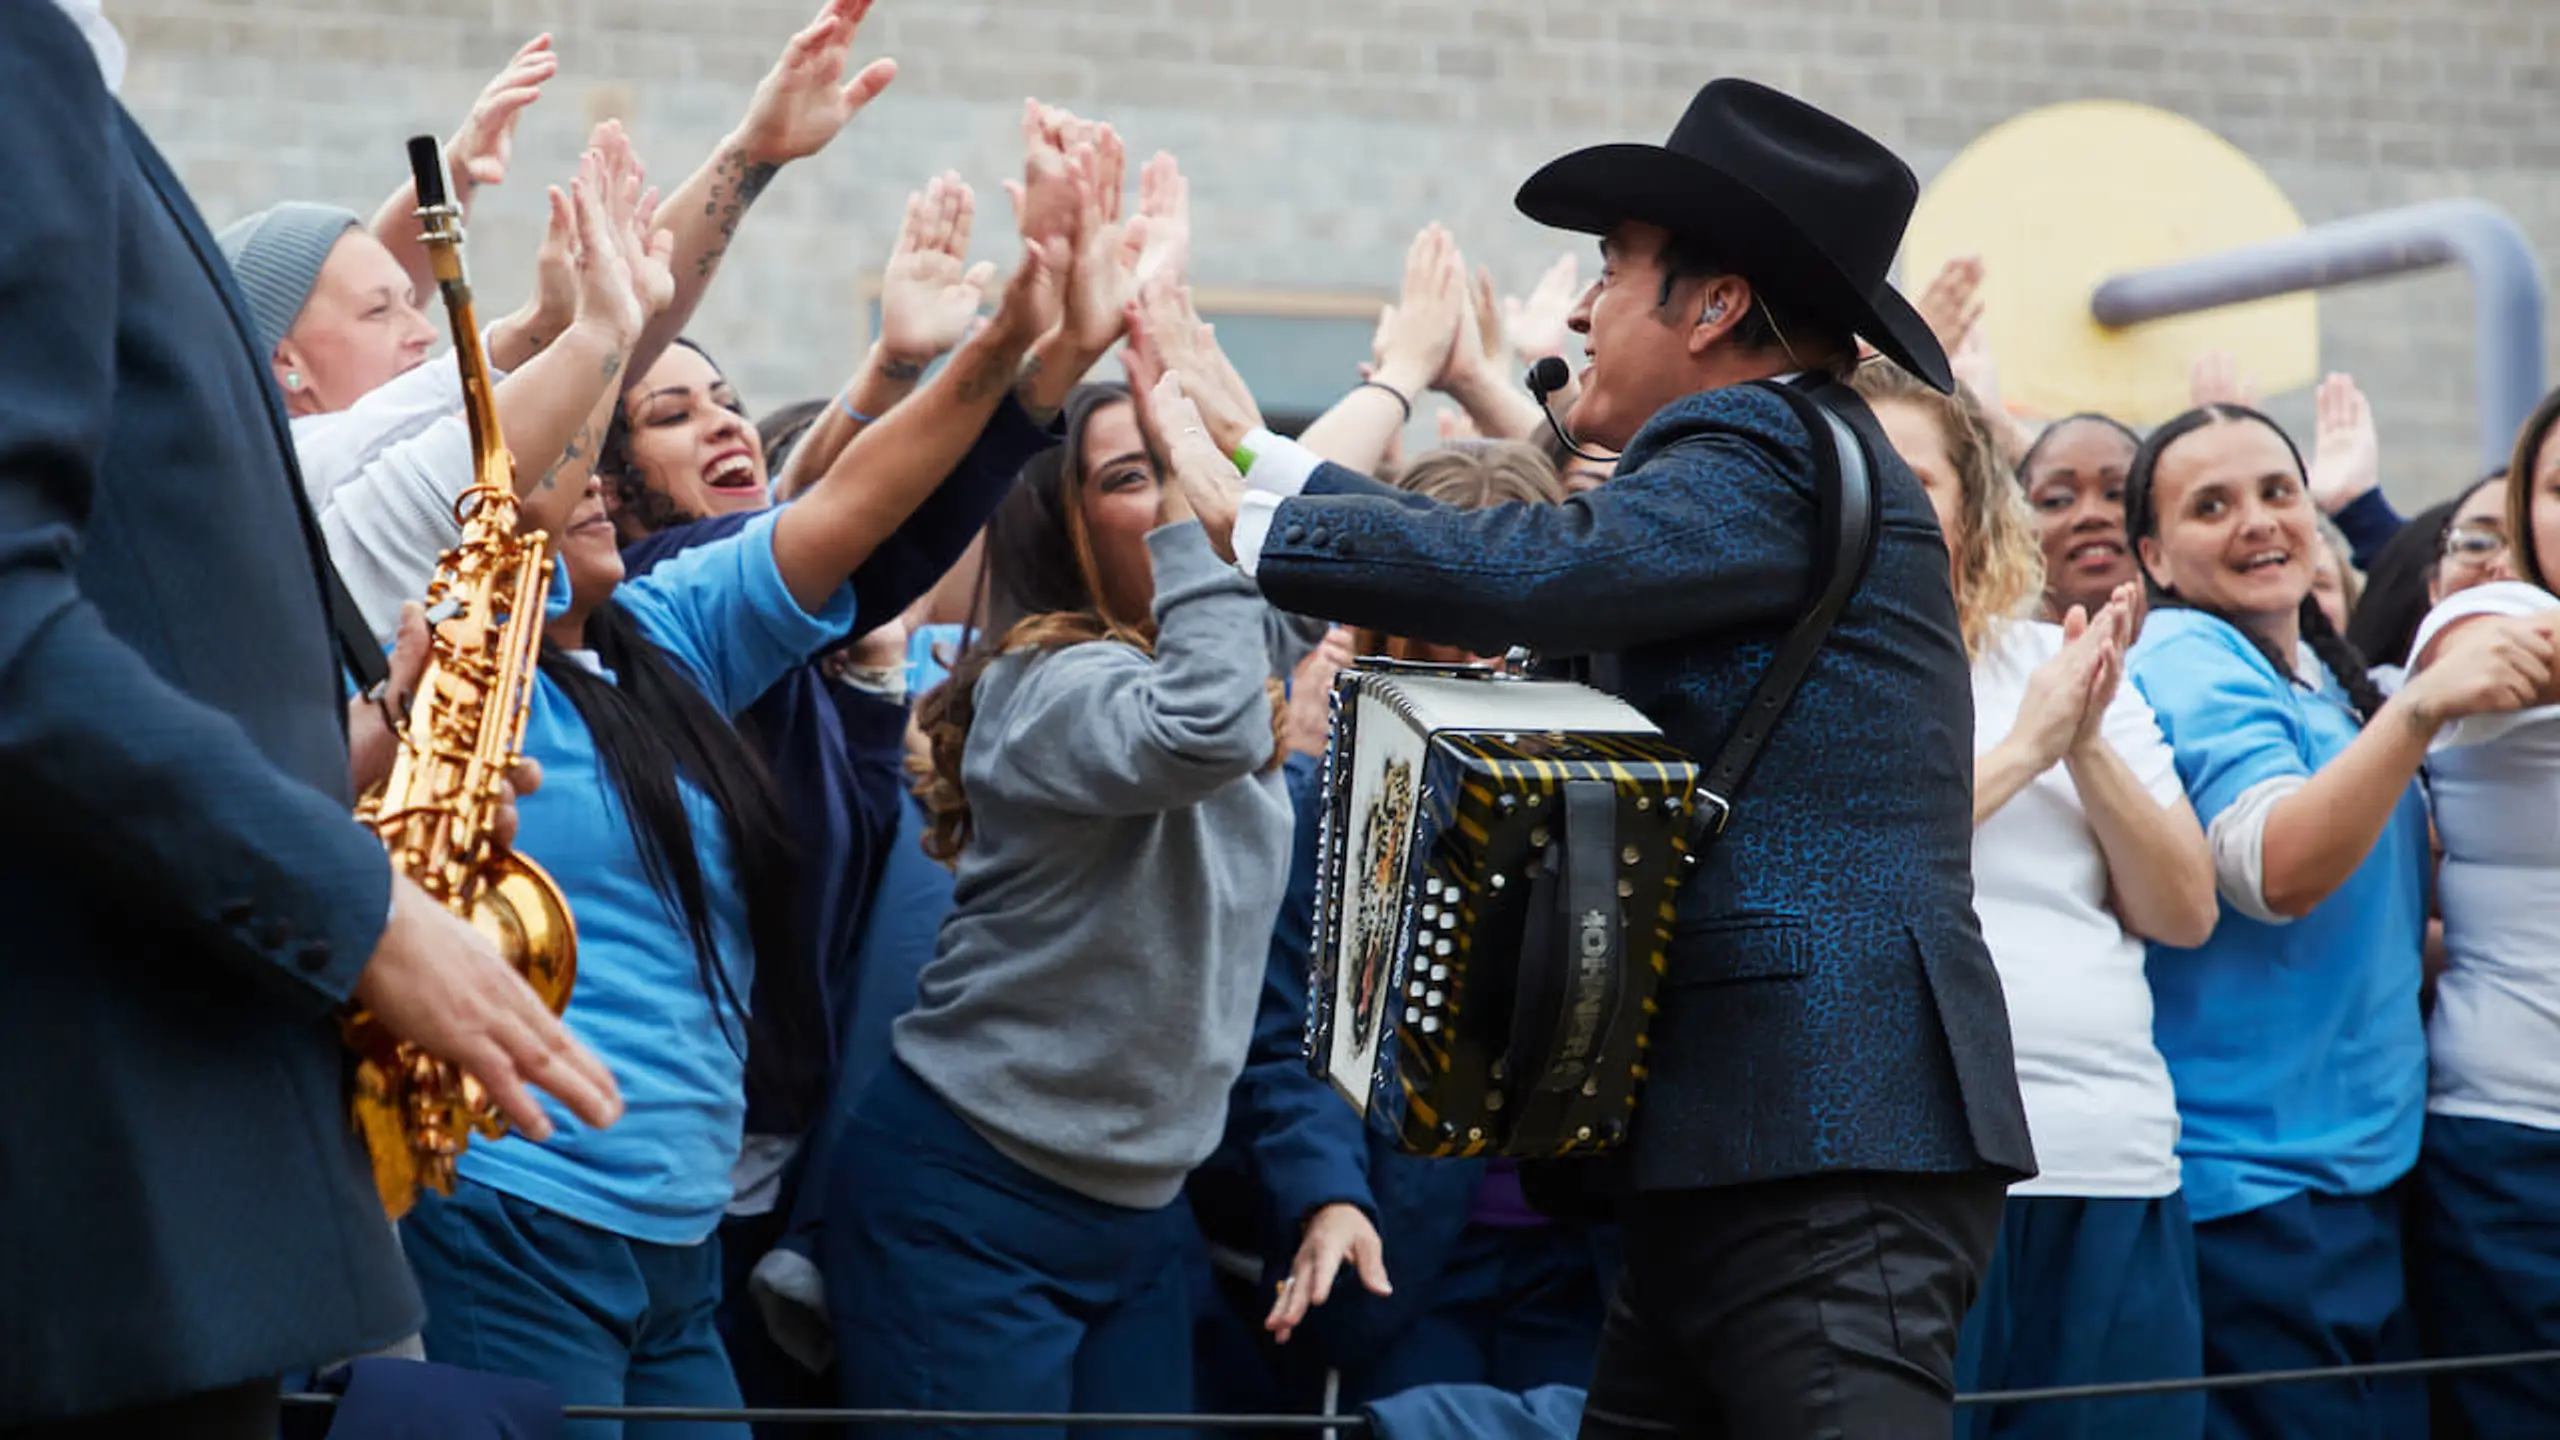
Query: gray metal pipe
x,y
2506,289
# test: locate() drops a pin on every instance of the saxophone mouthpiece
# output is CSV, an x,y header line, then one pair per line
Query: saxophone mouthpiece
x,y
426,163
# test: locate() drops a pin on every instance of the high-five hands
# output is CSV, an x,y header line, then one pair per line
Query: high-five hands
x,y
804,102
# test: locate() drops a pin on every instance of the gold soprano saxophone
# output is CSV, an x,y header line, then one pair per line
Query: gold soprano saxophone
x,y
437,813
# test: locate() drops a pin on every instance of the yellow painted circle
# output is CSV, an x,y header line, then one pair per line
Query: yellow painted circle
x,y
2058,199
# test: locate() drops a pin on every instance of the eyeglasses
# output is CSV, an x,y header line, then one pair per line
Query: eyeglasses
x,y
2474,544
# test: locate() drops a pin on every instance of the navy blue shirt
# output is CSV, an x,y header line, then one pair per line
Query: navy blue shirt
x,y
837,755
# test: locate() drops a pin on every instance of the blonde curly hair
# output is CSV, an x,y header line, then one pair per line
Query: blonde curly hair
x,y
1999,567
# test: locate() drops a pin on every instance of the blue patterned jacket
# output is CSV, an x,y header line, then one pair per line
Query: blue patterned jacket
x,y
1830,1005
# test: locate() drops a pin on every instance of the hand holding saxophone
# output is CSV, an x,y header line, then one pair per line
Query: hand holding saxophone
x,y
437,983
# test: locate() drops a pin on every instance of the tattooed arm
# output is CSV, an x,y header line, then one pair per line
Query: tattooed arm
x,y
803,102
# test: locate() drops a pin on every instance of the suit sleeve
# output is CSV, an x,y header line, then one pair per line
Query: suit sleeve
x,y
1709,534
99,756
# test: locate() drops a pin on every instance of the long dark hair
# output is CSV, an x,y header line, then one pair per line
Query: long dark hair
x,y
653,729
1041,589
2142,522
2397,584
2520,472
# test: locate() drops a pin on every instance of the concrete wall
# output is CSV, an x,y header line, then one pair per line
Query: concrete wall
x,y
1321,133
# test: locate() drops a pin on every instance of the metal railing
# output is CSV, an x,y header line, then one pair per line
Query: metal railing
x,y
1360,1425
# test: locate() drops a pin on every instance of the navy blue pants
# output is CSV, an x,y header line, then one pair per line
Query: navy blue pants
x,y
959,1280
2309,1281
2485,1270
2085,1292
513,1289
1515,1309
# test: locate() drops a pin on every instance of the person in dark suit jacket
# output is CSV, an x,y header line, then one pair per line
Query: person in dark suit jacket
x,y
1816,1171
187,901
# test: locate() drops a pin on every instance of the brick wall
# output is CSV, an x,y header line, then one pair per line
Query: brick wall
x,y
1320,133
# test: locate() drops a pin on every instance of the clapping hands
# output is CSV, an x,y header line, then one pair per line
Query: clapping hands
x,y
2065,708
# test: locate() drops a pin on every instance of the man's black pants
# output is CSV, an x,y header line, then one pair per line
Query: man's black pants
x,y
1826,1306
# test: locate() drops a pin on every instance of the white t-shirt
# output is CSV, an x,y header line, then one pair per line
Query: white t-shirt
x,y
2100,1107
2494,1040
383,476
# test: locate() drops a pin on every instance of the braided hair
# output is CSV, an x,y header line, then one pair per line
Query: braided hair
x,y
2142,521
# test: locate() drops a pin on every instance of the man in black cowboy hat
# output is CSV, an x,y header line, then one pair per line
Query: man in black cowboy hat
x,y
1816,1172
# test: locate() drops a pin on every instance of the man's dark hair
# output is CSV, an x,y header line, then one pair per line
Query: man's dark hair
x,y
1767,324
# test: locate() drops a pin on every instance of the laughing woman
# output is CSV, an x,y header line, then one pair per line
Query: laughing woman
x,y
1105,776
2293,1033
586,1260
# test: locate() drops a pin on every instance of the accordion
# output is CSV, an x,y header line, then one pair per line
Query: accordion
x,y
1498,864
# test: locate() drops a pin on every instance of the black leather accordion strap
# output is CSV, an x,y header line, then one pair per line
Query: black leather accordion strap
x,y
1845,495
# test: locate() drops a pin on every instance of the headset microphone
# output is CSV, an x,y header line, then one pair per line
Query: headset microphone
x,y
1546,378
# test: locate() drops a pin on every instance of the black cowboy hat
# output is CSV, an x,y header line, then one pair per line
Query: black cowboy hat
x,y
1803,205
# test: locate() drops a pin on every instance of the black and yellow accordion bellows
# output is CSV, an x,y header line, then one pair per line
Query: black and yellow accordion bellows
x,y
1498,865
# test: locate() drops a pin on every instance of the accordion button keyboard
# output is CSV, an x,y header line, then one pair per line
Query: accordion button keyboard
x,y
1439,972
1432,999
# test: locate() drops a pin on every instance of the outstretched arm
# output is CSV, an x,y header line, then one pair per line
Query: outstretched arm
x,y
476,155
803,103
893,465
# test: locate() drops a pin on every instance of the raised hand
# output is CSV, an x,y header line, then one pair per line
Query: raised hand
x,y
2346,450
1970,360
1035,294
1048,201
480,150
2216,379
1164,334
1164,203
1206,484
929,293
1100,289
1537,325
1952,303
1428,315
804,102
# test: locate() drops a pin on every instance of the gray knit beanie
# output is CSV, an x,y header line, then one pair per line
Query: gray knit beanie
x,y
276,255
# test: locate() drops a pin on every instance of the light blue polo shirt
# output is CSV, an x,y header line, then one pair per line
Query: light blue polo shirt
x,y
2297,1050
722,613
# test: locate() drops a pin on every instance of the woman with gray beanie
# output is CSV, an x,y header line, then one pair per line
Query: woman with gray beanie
x,y
379,432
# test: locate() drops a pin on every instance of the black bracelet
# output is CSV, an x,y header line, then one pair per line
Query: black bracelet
x,y
1390,389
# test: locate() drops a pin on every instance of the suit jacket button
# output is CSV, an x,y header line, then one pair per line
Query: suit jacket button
x,y
313,957
1295,534
238,913
1320,537
270,933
